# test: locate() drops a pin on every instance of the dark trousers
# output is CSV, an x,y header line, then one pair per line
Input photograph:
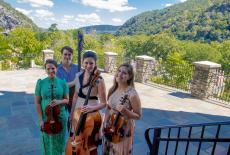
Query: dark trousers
x,y
69,106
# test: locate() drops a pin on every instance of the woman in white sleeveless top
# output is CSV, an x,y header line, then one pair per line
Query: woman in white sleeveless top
x,y
97,99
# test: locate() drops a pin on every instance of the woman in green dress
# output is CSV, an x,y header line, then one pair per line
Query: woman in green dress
x,y
52,144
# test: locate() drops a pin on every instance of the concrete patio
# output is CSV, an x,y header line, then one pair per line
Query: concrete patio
x,y
19,131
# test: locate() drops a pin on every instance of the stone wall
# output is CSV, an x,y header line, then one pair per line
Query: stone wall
x,y
47,54
202,84
204,79
110,62
144,67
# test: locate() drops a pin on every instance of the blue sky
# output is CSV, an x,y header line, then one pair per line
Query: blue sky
x,y
77,13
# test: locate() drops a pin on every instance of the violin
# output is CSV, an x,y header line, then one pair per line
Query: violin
x,y
114,131
82,141
52,125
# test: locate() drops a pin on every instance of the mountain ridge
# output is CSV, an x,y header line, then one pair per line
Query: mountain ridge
x,y
188,20
11,18
99,29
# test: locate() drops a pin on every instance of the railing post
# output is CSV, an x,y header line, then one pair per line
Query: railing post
x,y
47,54
110,62
156,141
203,79
144,68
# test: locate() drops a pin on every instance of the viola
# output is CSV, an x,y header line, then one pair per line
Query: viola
x,y
114,131
52,124
82,142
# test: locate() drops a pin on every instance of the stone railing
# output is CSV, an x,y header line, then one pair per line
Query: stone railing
x,y
173,75
110,62
144,67
203,81
47,54
221,87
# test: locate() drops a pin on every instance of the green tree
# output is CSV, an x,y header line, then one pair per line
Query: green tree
x,y
196,51
5,53
53,27
93,43
225,56
179,71
159,46
24,46
133,45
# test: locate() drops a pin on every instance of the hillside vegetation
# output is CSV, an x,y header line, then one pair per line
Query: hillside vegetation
x,y
205,20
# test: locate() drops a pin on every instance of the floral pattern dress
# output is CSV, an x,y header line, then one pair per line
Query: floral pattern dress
x,y
124,147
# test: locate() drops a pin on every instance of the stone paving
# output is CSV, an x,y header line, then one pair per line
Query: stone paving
x,y
19,132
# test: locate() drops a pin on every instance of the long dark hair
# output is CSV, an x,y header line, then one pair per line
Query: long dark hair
x,y
130,82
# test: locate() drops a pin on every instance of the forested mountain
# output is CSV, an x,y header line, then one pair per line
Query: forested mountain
x,y
11,18
207,20
99,29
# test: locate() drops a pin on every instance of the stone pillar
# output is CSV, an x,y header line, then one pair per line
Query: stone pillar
x,y
110,62
47,54
204,78
144,67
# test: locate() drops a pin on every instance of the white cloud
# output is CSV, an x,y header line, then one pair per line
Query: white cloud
x,y
117,20
111,5
38,3
183,1
45,15
66,26
66,19
25,12
28,13
84,19
32,18
168,4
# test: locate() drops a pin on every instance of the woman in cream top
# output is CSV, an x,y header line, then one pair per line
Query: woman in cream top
x,y
130,110
97,99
